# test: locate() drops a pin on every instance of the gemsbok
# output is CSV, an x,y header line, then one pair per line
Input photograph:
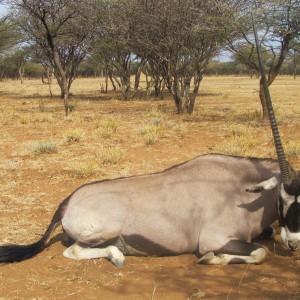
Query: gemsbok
x,y
212,205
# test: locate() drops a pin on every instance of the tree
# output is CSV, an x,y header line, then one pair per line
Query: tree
x,y
294,55
157,69
247,56
9,36
39,57
279,24
182,37
116,59
60,29
20,57
114,45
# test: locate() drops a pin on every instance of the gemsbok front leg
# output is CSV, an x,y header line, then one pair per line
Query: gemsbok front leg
x,y
235,252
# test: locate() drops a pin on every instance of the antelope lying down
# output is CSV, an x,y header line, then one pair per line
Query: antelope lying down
x,y
199,207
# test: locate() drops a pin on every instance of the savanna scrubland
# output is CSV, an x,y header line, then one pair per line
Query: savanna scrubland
x,y
45,156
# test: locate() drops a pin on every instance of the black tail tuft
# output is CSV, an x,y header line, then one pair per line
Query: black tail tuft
x,y
12,253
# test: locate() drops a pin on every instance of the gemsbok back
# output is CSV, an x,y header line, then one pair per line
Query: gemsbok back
x,y
212,205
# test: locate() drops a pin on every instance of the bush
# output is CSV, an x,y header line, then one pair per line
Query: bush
x,y
42,147
151,133
111,155
107,127
86,169
74,135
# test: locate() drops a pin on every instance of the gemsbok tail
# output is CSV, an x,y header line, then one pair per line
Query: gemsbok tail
x,y
14,253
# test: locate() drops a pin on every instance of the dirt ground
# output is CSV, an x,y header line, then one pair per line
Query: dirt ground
x,y
44,156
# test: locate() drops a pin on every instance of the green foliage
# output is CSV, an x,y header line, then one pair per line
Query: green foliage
x,y
247,55
33,70
73,105
9,35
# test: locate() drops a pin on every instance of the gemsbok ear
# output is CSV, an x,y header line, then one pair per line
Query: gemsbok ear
x,y
269,184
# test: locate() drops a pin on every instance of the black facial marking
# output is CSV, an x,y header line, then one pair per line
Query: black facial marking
x,y
292,218
293,189
280,211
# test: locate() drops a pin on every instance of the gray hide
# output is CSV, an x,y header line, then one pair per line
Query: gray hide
x,y
198,206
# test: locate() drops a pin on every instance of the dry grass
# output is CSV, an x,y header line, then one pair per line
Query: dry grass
x,y
150,132
226,119
74,135
111,155
86,169
42,147
107,127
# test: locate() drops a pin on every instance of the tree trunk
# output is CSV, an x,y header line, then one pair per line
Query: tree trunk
x,y
126,86
176,95
60,73
106,83
66,99
49,79
295,66
148,85
112,81
64,82
138,75
64,92
178,103
49,75
21,73
157,86
197,80
186,93
183,97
